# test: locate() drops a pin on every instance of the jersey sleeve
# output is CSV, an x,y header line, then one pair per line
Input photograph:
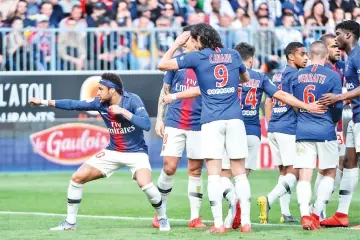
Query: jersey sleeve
x,y
68,104
168,77
140,116
188,60
241,65
336,111
356,66
269,87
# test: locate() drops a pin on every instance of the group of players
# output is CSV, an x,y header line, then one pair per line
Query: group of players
x,y
213,100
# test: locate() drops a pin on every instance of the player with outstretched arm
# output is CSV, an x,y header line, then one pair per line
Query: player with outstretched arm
x,y
126,118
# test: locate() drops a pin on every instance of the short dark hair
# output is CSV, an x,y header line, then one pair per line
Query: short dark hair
x,y
324,38
287,14
115,79
45,2
246,50
291,48
350,26
208,36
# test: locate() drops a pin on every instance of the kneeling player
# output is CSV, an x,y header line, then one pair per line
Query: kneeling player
x,y
250,94
316,135
126,117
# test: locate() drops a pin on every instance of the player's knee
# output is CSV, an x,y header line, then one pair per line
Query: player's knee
x,y
194,168
226,173
170,169
78,178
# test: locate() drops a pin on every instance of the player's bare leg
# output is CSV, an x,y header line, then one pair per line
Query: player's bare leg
x,y
84,174
195,192
323,193
285,200
284,186
213,167
165,182
232,220
243,191
347,187
303,191
143,178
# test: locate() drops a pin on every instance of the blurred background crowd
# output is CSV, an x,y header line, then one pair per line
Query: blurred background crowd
x,y
134,34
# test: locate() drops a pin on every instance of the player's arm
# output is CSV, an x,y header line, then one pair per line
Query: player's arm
x,y
289,99
67,104
336,110
190,93
159,127
138,114
244,74
167,62
268,108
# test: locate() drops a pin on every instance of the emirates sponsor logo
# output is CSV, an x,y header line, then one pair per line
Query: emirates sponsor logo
x,y
70,144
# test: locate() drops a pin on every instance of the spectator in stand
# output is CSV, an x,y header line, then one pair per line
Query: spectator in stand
x,y
267,45
193,18
42,41
8,7
318,13
165,38
32,8
287,34
98,11
58,13
273,6
225,8
261,11
241,27
76,14
244,4
178,10
68,5
191,7
71,47
339,15
2,35
309,34
296,8
355,13
218,18
347,6
20,12
16,47
46,8
131,7
309,4
155,9
169,12
123,15
141,44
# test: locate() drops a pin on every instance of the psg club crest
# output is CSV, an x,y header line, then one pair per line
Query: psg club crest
x,y
70,144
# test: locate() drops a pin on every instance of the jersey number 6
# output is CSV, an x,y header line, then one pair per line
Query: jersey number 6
x,y
308,96
221,73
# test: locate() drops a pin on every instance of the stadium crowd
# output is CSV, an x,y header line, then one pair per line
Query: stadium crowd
x,y
71,47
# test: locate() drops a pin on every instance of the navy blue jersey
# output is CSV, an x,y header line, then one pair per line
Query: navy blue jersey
x,y
250,94
186,113
338,67
218,73
125,135
352,74
283,117
309,85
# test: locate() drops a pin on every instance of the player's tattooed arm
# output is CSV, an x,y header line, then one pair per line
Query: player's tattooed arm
x,y
268,109
160,127
190,93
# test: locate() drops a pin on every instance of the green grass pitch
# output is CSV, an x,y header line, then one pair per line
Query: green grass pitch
x,y
119,196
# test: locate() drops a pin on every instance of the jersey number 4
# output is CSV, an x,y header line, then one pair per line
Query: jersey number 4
x,y
221,73
250,99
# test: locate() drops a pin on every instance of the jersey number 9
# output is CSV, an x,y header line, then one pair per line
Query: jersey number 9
x,y
221,73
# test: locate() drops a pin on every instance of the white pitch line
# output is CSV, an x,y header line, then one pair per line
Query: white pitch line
x,y
137,218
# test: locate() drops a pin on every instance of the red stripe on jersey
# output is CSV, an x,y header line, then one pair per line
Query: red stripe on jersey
x,y
314,68
119,140
339,126
217,50
185,114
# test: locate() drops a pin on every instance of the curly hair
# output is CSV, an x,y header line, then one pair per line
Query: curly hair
x,y
207,35
291,48
350,26
246,50
115,79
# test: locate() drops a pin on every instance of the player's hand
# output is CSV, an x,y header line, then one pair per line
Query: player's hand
x,y
328,99
168,99
116,109
159,128
315,107
35,102
182,39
